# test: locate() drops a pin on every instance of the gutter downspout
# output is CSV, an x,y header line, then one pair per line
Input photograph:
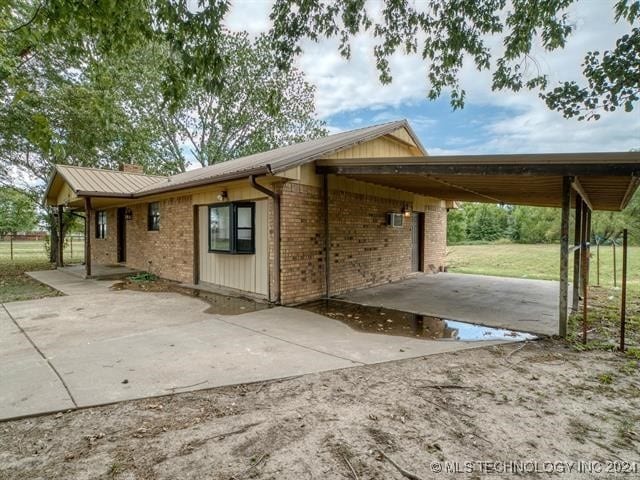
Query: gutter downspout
x,y
276,232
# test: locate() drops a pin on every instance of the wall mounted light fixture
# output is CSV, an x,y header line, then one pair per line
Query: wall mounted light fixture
x,y
222,196
128,214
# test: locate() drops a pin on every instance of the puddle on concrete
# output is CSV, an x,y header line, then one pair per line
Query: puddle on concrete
x,y
225,304
395,322
218,303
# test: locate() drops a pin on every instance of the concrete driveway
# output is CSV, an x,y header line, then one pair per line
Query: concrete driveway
x,y
97,346
514,303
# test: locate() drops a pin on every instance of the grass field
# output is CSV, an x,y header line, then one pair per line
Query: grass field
x,y
539,262
29,256
35,250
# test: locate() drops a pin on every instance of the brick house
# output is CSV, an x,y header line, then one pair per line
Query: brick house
x,y
319,218
218,226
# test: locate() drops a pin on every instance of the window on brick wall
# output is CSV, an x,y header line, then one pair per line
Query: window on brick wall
x,y
101,224
232,228
153,216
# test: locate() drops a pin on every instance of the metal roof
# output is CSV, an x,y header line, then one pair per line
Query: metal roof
x,y
280,159
110,183
93,181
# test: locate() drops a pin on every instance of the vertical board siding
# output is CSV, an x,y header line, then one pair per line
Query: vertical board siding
x,y
241,272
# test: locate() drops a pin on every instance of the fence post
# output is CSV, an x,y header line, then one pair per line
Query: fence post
x,y
615,273
623,295
598,263
11,243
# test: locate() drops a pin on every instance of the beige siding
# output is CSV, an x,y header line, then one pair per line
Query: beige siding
x,y
380,147
248,273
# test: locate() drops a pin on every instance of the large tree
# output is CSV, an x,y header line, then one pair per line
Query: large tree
x,y
258,107
17,212
443,32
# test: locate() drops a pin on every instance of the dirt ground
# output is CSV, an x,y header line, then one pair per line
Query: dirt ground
x,y
539,401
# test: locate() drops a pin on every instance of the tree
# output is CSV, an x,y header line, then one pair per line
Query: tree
x,y
258,107
443,32
17,212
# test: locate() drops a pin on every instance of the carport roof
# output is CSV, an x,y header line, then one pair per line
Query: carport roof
x,y
606,181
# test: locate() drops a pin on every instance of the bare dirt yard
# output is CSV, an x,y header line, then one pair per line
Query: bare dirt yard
x,y
539,401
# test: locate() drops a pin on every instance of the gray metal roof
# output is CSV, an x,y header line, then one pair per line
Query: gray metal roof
x,y
109,183
83,180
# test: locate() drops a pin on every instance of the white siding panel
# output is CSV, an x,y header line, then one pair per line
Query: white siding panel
x,y
242,272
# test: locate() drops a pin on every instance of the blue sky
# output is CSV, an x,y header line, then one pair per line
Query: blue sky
x,y
349,95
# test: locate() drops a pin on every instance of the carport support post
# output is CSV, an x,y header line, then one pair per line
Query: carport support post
x,y
60,245
564,257
577,241
87,236
584,270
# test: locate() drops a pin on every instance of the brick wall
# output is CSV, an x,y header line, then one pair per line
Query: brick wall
x,y
167,252
104,250
302,243
435,238
364,250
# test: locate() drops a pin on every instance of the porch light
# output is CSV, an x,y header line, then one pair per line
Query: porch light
x,y
222,196
406,211
128,214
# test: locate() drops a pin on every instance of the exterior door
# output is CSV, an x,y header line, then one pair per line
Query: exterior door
x,y
122,235
417,243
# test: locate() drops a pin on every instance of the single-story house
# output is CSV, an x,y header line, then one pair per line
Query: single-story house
x,y
319,218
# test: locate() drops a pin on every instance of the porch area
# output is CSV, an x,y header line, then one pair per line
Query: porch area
x,y
100,272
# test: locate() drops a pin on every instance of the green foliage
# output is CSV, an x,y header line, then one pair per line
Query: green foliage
x,y
445,33
17,212
474,223
456,226
536,225
143,277
486,221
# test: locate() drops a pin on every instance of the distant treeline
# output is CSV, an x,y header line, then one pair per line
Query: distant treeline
x,y
483,223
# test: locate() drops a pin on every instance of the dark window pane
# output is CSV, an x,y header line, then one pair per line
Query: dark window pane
x,y
220,228
153,219
101,224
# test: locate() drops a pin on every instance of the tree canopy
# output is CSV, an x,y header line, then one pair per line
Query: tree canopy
x,y
443,32
17,212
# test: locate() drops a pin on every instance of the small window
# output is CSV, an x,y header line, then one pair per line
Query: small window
x,y
232,228
153,217
101,224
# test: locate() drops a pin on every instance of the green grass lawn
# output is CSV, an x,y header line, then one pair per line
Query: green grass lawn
x,y
35,250
15,285
539,262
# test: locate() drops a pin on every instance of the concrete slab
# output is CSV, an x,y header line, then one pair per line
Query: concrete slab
x,y
330,336
28,385
69,284
106,346
517,304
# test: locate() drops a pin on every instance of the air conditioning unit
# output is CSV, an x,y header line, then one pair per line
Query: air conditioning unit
x,y
395,219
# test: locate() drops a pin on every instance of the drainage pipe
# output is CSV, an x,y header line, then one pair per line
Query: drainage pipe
x,y
276,232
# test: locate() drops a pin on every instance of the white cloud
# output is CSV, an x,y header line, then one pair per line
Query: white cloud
x,y
348,86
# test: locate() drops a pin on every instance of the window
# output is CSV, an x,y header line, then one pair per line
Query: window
x,y
232,228
153,216
101,224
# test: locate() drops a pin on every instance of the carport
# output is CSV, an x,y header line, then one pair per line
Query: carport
x,y
583,182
